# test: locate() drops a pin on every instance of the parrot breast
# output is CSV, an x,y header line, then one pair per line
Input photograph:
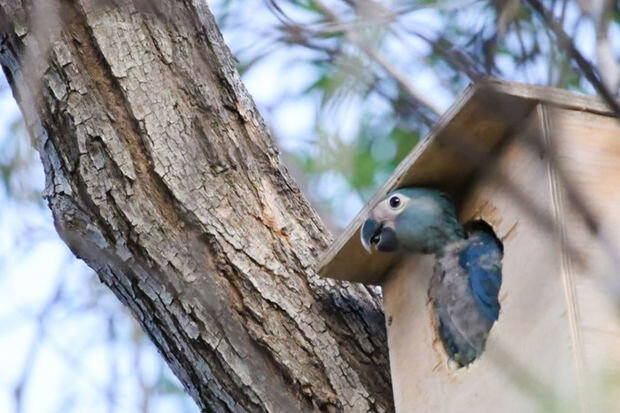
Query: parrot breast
x,y
464,293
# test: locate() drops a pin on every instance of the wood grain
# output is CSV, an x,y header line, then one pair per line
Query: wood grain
x,y
528,363
556,345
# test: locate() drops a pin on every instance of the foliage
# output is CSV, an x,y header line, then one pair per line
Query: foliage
x,y
379,73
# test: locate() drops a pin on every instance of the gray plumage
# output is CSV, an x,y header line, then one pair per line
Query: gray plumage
x,y
462,326
467,277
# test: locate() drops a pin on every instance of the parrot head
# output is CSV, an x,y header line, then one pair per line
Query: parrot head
x,y
415,220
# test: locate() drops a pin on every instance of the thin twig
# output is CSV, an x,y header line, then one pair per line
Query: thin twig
x,y
589,71
383,62
342,26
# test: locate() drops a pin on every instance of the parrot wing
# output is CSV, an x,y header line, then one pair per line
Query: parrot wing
x,y
464,293
482,261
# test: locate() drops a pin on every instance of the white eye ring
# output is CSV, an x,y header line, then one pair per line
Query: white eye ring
x,y
394,202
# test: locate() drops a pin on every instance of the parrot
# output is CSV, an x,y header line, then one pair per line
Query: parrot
x,y
467,275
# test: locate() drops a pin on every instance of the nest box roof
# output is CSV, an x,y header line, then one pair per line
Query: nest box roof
x,y
448,158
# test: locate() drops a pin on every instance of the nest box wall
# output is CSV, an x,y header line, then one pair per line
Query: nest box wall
x,y
557,340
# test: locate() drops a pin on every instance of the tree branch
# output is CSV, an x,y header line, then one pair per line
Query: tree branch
x,y
162,176
589,71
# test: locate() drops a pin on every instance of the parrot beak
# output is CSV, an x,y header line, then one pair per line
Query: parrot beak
x,y
378,236
370,234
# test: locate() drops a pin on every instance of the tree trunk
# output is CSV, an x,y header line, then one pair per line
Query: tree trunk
x,y
162,176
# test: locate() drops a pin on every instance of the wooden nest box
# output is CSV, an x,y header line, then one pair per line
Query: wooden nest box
x,y
542,166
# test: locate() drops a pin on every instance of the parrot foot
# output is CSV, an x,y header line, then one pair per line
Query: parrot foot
x,y
452,365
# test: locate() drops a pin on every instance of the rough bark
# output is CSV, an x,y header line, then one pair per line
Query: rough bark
x,y
162,176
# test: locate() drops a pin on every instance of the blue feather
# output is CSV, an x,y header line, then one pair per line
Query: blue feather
x,y
482,261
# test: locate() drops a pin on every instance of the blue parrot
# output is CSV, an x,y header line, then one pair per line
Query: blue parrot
x,y
468,268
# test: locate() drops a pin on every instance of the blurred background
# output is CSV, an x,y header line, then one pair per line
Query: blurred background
x,y
348,88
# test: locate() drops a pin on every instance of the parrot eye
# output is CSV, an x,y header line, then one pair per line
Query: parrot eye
x,y
394,202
